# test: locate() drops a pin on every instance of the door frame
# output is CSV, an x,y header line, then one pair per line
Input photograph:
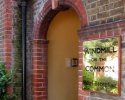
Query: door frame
x,y
40,44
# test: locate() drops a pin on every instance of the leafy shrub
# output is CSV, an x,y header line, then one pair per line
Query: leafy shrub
x,y
106,84
88,78
6,79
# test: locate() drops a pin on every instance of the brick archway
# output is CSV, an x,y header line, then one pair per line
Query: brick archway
x,y
40,44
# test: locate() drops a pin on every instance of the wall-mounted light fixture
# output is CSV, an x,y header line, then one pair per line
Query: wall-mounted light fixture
x,y
71,62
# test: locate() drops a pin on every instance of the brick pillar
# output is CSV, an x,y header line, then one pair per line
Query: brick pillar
x,y
7,31
39,74
81,92
1,33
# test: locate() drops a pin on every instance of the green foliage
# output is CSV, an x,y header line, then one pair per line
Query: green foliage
x,y
102,84
109,85
88,78
6,79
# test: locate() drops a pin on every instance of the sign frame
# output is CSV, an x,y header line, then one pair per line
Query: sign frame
x,y
119,66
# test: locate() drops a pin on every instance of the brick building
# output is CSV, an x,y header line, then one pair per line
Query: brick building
x,y
54,35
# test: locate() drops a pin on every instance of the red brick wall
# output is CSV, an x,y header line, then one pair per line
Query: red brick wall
x,y
39,71
104,11
99,32
1,33
98,13
7,22
100,25
7,31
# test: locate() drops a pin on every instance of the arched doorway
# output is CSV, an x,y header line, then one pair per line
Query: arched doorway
x,y
62,46
40,47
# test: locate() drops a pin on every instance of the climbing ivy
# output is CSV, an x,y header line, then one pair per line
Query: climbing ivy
x,y
6,80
